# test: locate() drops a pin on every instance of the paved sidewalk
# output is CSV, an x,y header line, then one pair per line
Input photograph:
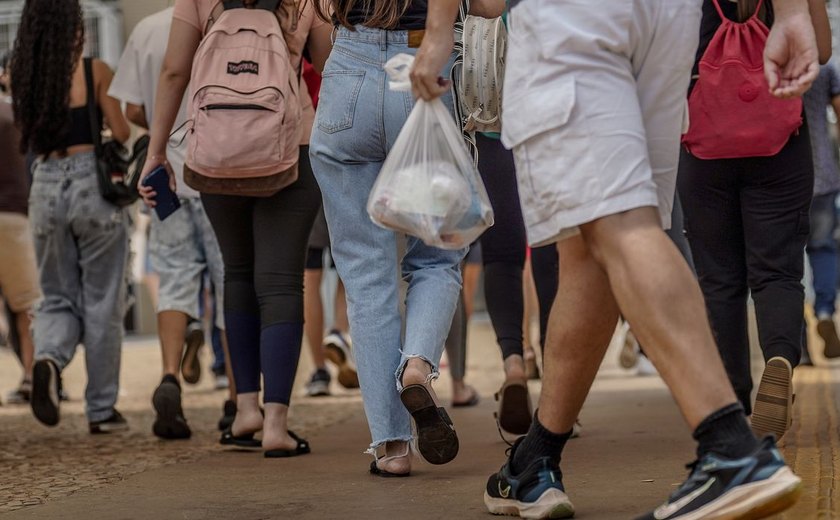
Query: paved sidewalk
x,y
629,458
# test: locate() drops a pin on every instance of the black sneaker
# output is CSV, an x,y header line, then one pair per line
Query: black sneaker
x,y
228,415
755,486
46,388
170,422
319,383
536,492
191,364
113,424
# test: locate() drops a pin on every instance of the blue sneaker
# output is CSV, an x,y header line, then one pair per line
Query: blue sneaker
x,y
752,487
536,492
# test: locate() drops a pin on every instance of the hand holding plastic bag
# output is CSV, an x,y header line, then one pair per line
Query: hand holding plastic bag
x,y
428,186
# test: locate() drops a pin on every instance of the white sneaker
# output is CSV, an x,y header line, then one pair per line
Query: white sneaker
x,y
629,356
222,382
645,368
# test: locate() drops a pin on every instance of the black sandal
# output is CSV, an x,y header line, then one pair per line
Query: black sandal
x,y
301,449
246,440
436,437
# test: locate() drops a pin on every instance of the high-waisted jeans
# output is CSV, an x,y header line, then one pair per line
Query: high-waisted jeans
x,y
357,122
81,243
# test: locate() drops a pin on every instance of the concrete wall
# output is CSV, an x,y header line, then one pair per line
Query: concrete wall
x,y
136,10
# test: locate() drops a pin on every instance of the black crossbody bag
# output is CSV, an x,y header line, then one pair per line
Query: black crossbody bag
x,y
117,176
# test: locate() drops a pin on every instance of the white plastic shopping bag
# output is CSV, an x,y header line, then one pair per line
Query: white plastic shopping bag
x,y
428,186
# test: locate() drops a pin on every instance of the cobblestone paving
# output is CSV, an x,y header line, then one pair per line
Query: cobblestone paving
x,y
39,464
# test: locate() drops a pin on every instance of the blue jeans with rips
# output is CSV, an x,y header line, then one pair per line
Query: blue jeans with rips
x,y
357,122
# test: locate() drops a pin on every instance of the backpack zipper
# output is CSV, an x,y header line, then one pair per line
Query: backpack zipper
x,y
220,106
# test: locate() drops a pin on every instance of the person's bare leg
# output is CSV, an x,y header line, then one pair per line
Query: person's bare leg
x,y
472,273
661,299
340,320
313,312
27,348
276,428
172,329
582,322
249,418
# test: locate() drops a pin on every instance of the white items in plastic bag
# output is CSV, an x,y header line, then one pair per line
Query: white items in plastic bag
x,y
428,186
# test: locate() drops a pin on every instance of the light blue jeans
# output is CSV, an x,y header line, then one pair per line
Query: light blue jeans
x,y
357,122
81,243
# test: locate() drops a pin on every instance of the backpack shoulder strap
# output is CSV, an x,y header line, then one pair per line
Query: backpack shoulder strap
x,y
92,107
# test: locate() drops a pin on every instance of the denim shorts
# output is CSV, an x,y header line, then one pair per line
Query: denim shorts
x,y
181,250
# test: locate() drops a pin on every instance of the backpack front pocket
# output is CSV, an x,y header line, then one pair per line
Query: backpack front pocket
x,y
238,132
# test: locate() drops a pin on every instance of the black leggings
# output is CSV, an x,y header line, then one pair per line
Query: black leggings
x,y
264,243
747,222
503,249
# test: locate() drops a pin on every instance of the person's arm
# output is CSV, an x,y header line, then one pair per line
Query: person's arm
x,y
822,28
111,111
174,78
319,45
434,52
137,115
487,8
790,56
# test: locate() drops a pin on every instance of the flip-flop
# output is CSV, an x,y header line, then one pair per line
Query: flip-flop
x,y
246,440
301,449
515,413
437,441
472,401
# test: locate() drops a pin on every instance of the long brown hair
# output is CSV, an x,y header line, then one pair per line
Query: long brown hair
x,y
746,8
384,14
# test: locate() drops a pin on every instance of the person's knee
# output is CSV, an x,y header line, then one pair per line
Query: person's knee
x,y
607,237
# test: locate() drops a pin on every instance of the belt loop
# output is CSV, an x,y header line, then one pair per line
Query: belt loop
x,y
383,39
333,34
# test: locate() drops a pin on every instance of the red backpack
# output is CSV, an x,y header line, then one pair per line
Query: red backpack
x,y
731,110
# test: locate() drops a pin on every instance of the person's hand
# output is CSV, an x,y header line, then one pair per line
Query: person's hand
x,y
791,57
147,193
434,53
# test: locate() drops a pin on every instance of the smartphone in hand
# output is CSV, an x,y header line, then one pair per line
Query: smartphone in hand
x,y
166,200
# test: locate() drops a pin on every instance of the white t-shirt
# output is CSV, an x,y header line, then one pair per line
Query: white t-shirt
x,y
137,79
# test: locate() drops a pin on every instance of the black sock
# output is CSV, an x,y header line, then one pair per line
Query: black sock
x,y
539,443
726,432
169,378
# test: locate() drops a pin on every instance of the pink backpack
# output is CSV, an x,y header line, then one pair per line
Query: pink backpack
x,y
731,110
243,105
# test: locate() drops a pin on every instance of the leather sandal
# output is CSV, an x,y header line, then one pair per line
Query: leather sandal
x,y
437,441
515,413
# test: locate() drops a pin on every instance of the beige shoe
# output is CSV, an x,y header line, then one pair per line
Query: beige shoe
x,y
773,412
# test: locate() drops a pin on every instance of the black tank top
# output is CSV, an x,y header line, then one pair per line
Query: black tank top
x,y
79,132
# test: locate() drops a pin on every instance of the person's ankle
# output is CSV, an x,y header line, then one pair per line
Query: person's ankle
x,y
514,367
416,372
171,378
538,443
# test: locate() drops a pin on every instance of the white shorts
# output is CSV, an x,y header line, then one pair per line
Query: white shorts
x,y
594,107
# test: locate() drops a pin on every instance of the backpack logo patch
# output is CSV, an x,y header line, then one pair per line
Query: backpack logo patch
x,y
243,67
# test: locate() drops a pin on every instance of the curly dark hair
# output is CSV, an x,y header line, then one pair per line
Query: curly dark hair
x,y
49,42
